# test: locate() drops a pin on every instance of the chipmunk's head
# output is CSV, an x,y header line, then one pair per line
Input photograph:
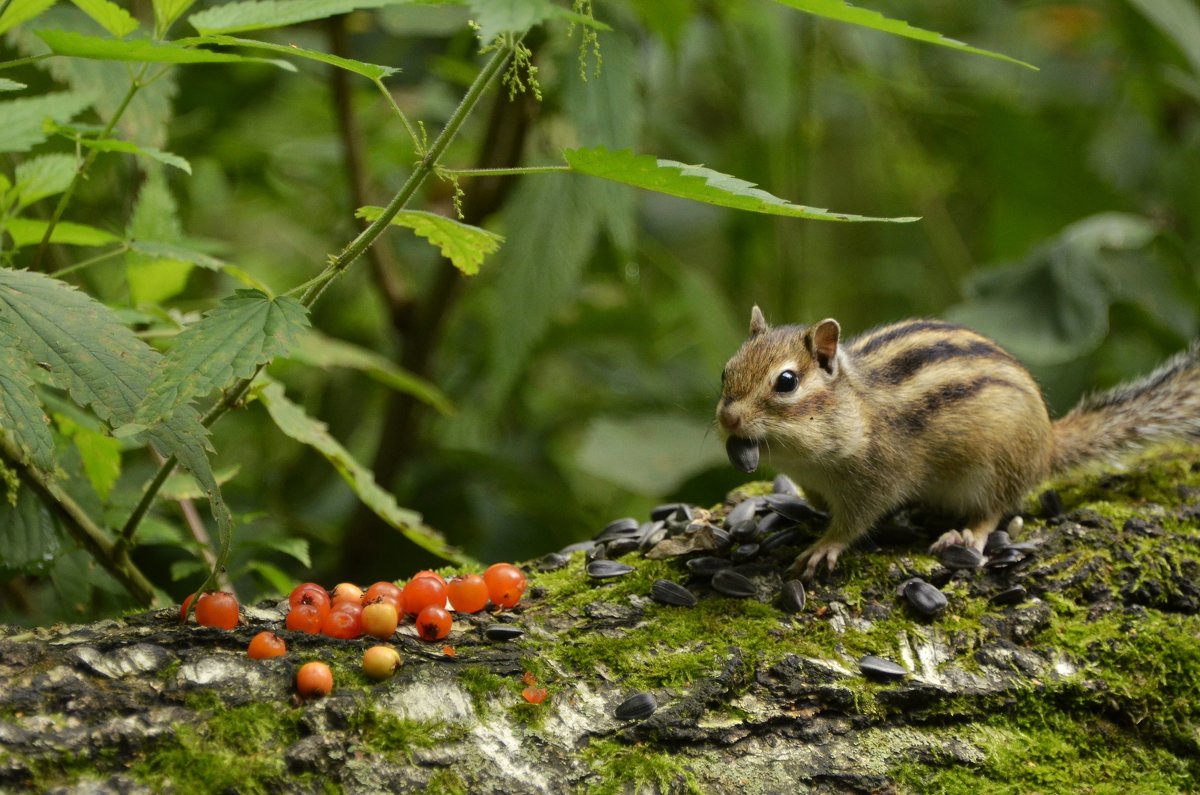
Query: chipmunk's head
x,y
778,380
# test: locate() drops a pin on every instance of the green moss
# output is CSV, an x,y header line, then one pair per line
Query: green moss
x,y
382,732
1162,476
481,685
447,782
623,768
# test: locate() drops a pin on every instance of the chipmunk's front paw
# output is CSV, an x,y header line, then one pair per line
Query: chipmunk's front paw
x,y
808,561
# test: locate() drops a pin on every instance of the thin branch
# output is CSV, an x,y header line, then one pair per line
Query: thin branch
x,y
503,172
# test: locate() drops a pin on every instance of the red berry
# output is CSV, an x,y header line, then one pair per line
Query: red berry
x,y
430,573
183,611
383,590
343,624
266,644
380,662
314,679
433,623
379,619
505,584
420,592
305,618
309,593
347,592
468,594
217,609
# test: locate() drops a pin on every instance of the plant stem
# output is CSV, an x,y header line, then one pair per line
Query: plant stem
x,y
113,557
116,252
504,172
23,61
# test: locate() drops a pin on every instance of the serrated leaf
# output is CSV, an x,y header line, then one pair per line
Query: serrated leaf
x,y
292,420
19,11
128,147
29,232
24,118
368,70
42,176
62,42
841,11
21,414
10,85
517,16
247,329
99,452
182,486
154,279
259,14
109,16
317,350
30,539
163,250
167,11
696,183
464,245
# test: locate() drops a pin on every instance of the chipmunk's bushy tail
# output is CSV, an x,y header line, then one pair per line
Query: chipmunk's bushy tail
x,y
1163,406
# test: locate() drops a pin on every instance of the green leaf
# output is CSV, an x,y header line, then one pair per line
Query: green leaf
x,y
21,414
42,176
317,350
174,251
259,14
292,420
30,539
647,454
19,11
182,486
29,232
109,16
128,147
11,85
841,11
24,118
155,278
276,578
167,11
694,182
247,329
99,452
1179,20
62,42
464,245
368,70
295,548
517,16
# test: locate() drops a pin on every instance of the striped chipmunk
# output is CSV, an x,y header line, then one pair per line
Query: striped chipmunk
x,y
925,413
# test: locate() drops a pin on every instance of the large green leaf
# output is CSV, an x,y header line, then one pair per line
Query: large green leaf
x,y
109,16
259,14
317,350
694,182
24,119
154,278
167,11
30,539
842,11
99,453
517,16
464,245
292,420
42,176
247,329
19,11
21,414
368,70
29,232
128,147
62,42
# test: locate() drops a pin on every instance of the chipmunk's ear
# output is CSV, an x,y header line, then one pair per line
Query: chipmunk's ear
x,y
758,323
823,344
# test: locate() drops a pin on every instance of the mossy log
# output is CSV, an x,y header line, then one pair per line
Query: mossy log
x,y
1090,684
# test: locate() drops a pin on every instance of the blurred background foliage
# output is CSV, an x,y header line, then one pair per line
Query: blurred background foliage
x,y
1058,214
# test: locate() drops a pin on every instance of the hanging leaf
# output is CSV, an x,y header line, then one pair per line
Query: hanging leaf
x,y
109,16
42,176
464,245
317,350
30,538
247,329
841,11
292,420
128,147
62,42
29,232
259,14
182,486
18,11
99,452
167,11
154,279
24,118
21,414
694,182
368,70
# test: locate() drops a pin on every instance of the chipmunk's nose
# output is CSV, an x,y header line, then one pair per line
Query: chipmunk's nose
x,y
729,417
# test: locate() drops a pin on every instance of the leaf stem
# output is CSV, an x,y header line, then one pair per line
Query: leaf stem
x,y
418,144
23,61
503,172
116,252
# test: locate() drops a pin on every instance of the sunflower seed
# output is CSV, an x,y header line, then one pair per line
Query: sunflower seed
x,y
792,596
960,557
743,453
1004,558
743,511
743,553
619,528
636,707
784,485
503,632
793,507
787,538
604,569
672,593
743,531
731,583
924,597
881,668
660,512
652,533
1010,596
995,540
552,561
707,565
577,546
620,546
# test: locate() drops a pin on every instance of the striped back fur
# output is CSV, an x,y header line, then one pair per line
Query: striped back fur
x,y
1162,406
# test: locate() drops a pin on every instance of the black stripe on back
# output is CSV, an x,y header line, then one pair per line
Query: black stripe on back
x,y
905,365
898,332
913,417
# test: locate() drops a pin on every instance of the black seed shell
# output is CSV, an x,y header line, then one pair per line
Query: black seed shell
x,y
786,538
731,583
672,593
743,453
1010,596
743,511
604,569
784,485
619,528
792,596
743,553
659,513
926,599
707,565
503,632
636,707
793,507
743,531
995,540
960,557
881,668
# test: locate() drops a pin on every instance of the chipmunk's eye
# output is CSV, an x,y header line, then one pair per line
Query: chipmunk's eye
x,y
787,381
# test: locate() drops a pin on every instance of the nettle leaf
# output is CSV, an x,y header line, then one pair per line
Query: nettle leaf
x,y
24,119
248,329
259,14
841,11
368,70
464,245
19,11
167,11
696,183
109,16
21,414
30,539
62,42
155,278
42,176
495,17
182,486
128,147
292,420
317,350
11,85
99,452
29,232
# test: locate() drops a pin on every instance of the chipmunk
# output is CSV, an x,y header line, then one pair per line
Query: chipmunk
x,y
924,412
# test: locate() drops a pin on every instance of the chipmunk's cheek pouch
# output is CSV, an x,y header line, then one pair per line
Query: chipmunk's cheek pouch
x,y
743,453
